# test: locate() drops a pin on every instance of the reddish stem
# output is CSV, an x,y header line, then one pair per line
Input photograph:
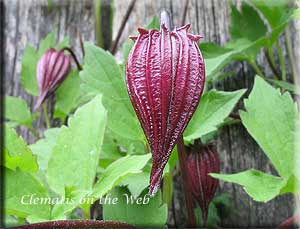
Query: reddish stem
x,y
185,182
74,57
289,222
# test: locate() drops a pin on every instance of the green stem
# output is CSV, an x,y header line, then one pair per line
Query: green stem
x,y
281,61
287,36
272,66
256,68
46,117
271,55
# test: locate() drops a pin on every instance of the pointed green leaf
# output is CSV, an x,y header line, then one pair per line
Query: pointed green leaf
x,y
44,147
77,149
117,171
213,108
246,23
17,110
20,188
67,95
102,75
17,154
260,186
269,118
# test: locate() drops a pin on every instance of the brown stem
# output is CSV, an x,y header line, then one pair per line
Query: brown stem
x,y
128,12
234,116
185,182
74,57
184,12
81,43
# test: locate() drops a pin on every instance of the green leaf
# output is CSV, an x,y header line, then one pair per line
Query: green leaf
x,y
28,71
72,199
67,95
30,59
247,23
102,75
212,50
44,147
286,85
154,24
117,171
213,218
77,149
16,109
270,121
260,186
151,213
275,12
214,107
17,154
19,187
137,183
217,57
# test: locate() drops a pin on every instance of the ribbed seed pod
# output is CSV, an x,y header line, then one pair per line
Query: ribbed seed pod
x,y
165,77
199,165
52,69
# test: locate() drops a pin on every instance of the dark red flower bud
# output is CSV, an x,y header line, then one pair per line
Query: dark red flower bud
x,y
165,78
199,164
52,69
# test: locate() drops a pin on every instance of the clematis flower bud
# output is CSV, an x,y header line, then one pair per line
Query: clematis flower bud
x,y
199,164
165,77
52,69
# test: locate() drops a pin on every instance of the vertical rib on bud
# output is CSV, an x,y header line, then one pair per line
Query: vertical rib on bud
x,y
199,165
165,78
52,69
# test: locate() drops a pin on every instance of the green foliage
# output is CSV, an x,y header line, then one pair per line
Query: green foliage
x,y
275,132
102,75
20,184
67,95
275,135
154,24
44,147
17,154
246,23
136,183
117,171
260,186
16,110
152,213
77,149
286,86
31,58
249,34
214,107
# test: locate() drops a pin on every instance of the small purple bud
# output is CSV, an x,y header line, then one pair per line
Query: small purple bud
x,y
200,163
52,69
